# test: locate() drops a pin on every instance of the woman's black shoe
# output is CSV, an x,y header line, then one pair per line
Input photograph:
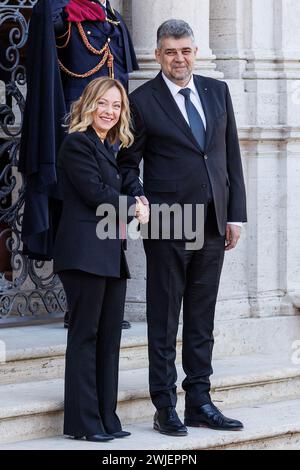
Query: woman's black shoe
x,y
96,438
120,434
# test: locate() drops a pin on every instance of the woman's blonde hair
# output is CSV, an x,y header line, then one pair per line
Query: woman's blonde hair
x,y
82,110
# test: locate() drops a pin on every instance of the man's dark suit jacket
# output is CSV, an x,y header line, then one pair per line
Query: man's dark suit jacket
x,y
89,177
174,164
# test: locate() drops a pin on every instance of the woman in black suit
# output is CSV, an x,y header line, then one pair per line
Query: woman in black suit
x,y
93,270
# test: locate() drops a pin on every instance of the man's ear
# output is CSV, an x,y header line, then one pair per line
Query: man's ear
x,y
196,50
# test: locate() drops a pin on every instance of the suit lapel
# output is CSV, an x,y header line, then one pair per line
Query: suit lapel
x,y
100,146
207,104
166,101
168,104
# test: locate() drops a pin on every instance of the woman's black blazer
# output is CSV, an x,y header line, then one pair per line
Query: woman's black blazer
x,y
89,176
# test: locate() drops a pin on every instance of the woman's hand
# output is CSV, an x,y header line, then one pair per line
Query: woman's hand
x,y
142,211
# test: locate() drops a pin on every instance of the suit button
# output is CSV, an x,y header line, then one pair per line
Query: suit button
x,y
204,186
118,177
205,157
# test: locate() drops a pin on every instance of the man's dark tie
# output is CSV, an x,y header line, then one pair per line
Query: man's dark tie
x,y
196,123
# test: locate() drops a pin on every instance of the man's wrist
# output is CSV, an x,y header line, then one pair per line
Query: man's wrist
x,y
238,224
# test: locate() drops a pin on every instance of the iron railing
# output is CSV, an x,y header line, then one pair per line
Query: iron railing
x,y
29,292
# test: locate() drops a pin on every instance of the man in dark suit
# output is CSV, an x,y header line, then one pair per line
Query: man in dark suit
x,y
186,133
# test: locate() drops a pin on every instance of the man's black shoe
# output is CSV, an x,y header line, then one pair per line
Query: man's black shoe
x,y
211,417
166,421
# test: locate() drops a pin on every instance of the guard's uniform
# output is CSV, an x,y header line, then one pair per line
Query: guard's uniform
x,y
90,49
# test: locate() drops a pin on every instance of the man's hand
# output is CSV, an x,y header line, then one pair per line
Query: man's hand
x,y
142,210
233,233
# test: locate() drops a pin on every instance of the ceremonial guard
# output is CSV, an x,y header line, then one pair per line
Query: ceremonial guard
x,y
92,40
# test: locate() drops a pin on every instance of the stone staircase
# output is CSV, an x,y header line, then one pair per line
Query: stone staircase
x,y
260,386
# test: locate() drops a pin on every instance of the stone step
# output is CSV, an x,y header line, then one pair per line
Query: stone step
x,y
268,426
35,409
37,352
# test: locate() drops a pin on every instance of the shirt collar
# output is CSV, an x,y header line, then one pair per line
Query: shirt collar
x,y
175,89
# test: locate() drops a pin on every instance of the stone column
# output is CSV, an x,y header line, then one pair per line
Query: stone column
x,y
288,53
259,37
229,31
257,44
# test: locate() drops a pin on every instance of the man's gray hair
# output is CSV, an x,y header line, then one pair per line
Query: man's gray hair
x,y
174,29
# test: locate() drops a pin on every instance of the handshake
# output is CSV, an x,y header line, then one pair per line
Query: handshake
x,y
142,210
